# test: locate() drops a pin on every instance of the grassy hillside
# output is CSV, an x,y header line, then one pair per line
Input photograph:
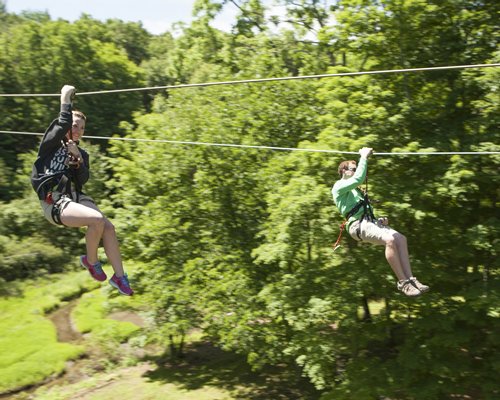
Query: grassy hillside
x,y
109,357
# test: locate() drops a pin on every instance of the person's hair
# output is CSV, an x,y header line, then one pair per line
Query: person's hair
x,y
78,113
344,165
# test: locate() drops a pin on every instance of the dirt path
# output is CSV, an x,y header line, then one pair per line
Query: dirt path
x,y
67,333
79,369
204,372
61,318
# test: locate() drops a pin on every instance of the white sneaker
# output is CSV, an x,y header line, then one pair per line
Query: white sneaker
x,y
421,287
408,287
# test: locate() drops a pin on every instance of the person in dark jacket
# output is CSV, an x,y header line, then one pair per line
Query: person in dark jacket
x,y
59,173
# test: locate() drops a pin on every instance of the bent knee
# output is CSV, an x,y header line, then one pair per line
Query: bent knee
x,y
390,241
108,225
97,219
395,239
398,238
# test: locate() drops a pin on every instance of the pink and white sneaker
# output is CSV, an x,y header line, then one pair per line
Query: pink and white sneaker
x,y
95,270
122,284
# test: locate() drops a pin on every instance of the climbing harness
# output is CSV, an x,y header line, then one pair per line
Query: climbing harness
x,y
72,163
58,207
353,211
56,189
367,214
59,199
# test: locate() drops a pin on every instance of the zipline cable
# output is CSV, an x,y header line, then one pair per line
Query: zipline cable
x,y
244,146
287,78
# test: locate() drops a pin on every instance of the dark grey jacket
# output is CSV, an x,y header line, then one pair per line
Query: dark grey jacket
x,y
51,162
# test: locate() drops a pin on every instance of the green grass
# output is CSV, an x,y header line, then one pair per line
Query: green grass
x,y
90,316
205,373
130,384
29,350
30,353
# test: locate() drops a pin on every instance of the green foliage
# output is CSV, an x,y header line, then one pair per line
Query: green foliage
x,y
254,267
40,56
29,351
34,368
90,316
238,242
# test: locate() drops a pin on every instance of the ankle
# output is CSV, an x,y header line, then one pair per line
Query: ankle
x,y
92,261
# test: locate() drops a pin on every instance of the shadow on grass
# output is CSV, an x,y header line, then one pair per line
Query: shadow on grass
x,y
206,365
10,289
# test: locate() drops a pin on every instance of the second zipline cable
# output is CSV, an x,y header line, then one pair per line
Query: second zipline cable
x,y
245,146
287,78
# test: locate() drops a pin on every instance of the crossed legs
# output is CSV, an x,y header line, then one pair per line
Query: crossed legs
x,y
87,214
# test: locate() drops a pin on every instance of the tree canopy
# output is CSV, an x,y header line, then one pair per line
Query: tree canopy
x,y
238,241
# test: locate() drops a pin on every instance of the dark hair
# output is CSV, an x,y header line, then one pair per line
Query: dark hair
x,y
344,165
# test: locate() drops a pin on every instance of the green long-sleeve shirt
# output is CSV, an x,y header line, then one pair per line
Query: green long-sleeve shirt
x,y
346,193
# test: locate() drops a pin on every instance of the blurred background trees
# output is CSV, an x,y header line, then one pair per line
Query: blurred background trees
x,y
238,241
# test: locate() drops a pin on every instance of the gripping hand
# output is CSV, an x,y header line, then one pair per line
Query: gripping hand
x,y
67,94
74,159
365,152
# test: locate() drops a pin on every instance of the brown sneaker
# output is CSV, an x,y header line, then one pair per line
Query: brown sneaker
x,y
421,287
409,288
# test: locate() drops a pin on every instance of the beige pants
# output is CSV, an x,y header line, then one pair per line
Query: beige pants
x,y
371,232
60,201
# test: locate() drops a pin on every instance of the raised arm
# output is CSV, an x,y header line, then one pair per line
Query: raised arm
x,y
345,185
60,126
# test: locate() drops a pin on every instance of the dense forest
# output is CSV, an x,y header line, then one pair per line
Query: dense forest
x,y
238,241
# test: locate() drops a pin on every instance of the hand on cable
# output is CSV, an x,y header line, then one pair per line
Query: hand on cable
x,y
365,152
67,94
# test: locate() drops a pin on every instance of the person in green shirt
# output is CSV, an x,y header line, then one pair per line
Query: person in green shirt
x,y
364,227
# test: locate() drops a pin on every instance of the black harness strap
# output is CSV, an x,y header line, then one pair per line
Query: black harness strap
x,y
355,209
57,208
56,212
62,185
367,214
66,186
